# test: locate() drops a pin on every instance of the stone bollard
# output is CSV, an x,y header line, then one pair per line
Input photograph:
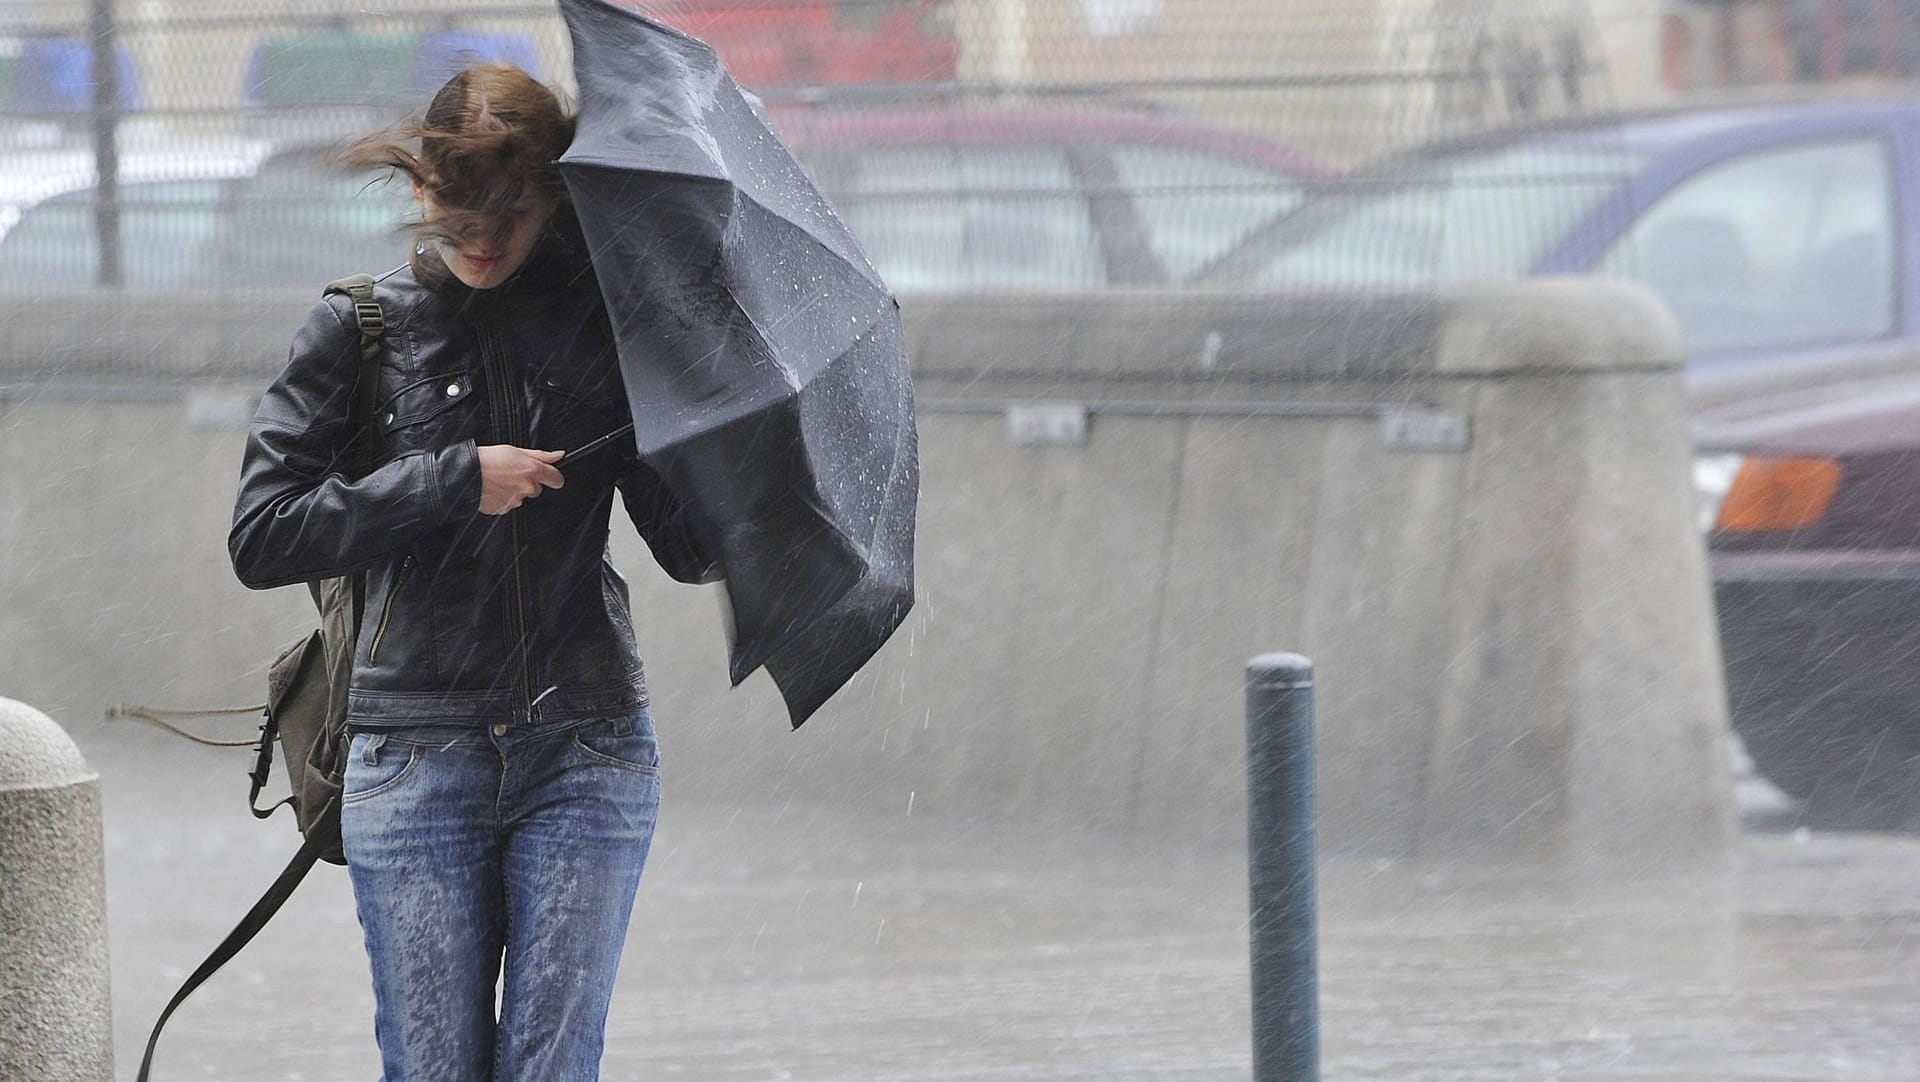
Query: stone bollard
x,y
55,1016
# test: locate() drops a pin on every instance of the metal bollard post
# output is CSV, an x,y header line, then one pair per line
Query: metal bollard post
x,y
1280,863
54,1006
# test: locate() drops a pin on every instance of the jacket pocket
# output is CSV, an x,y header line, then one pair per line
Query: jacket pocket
x,y
386,609
424,399
594,391
572,408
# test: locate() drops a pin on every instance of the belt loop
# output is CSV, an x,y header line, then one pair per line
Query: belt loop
x,y
623,726
370,755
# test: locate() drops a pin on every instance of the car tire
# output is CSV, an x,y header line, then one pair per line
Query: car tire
x,y
1823,683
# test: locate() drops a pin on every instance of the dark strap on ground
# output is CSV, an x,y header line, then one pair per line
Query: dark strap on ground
x,y
249,926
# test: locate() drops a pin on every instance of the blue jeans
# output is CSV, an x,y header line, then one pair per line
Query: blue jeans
x,y
468,848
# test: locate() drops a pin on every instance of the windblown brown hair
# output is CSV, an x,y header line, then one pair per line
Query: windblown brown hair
x,y
490,134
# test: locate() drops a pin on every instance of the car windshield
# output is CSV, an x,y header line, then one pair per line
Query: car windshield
x,y
300,219
1478,214
55,244
295,221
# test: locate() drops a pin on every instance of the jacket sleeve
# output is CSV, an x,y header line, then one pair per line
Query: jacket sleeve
x,y
299,516
666,524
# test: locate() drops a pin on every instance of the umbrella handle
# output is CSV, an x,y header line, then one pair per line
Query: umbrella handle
x,y
596,444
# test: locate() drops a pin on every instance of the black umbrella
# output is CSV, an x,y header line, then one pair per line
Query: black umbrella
x,y
763,356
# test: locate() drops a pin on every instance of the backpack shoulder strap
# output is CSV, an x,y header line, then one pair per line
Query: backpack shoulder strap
x,y
366,388
366,310
373,327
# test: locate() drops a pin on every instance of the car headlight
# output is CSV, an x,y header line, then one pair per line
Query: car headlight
x,y
1713,477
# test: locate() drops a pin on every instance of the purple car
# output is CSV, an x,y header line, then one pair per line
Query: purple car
x,y
1785,238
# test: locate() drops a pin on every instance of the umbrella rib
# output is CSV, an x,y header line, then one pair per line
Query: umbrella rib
x,y
786,371
861,269
800,309
630,170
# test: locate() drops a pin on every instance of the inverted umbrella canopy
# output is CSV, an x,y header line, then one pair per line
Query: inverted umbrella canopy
x,y
764,361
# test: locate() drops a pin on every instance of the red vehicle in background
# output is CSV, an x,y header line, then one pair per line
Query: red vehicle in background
x,y
814,43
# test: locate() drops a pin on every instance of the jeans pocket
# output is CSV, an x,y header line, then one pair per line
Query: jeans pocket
x,y
375,765
626,743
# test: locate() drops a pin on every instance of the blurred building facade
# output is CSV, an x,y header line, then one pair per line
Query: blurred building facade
x,y
1345,78
1714,44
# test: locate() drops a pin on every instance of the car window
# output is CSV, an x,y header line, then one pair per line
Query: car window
x,y
300,221
1782,248
55,244
971,218
1196,205
1479,214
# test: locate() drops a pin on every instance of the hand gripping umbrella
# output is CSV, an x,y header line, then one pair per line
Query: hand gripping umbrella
x,y
764,361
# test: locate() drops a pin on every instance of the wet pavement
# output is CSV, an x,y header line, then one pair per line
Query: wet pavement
x,y
796,943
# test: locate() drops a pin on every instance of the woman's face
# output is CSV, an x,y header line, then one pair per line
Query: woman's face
x,y
481,261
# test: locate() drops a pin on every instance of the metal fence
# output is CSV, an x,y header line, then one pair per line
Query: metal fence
x,y
1337,77
971,144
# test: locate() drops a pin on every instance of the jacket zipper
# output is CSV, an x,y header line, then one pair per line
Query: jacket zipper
x,y
520,614
509,422
386,610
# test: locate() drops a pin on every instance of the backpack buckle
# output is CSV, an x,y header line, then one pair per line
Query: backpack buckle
x,y
373,323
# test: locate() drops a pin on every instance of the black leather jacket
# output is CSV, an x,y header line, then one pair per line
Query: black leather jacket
x,y
468,617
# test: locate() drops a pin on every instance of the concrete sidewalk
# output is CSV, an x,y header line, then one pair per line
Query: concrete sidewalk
x,y
797,943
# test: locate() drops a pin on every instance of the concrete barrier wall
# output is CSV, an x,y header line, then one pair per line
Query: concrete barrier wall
x,y
1514,636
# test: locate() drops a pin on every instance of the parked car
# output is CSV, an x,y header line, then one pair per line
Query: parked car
x,y
942,200
167,199
1783,236
1061,198
1810,475
300,220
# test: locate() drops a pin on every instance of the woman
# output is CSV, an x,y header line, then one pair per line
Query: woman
x,y
503,778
